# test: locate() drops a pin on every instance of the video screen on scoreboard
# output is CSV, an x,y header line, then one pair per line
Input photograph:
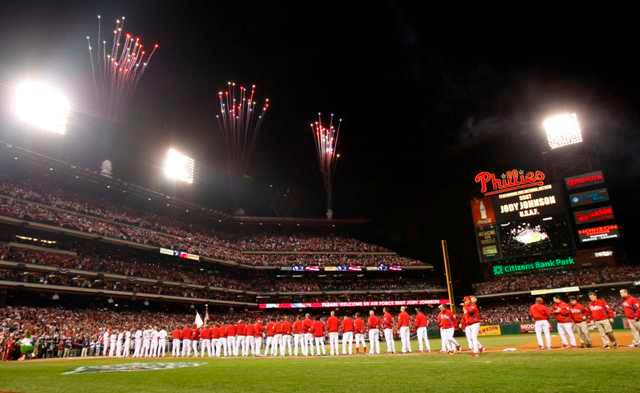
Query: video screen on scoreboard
x,y
534,236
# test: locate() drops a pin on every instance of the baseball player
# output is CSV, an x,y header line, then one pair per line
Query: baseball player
x,y
631,308
318,335
137,350
249,340
258,330
298,336
126,350
307,344
471,322
186,341
580,315
447,323
562,314
333,325
358,329
285,339
387,323
421,322
540,314
602,316
154,342
373,324
404,329
176,337
205,341
347,335
241,332
271,331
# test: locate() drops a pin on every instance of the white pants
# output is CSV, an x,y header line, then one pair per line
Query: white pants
x,y
471,332
543,327
347,343
221,347
374,342
360,341
118,349
249,343
333,343
154,348
565,330
194,345
423,338
175,347
285,344
205,345
146,347
186,347
231,346
275,343
388,338
320,346
405,339
137,350
257,346
268,346
448,342
112,349
298,343
126,350
240,346
162,347
307,345
105,347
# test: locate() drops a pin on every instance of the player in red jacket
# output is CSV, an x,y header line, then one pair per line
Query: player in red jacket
x,y
241,332
447,322
307,327
205,341
285,340
359,332
562,314
270,331
373,324
186,341
580,315
540,314
318,334
258,331
231,339
333,326
176,337
298,336
249,339
422,322
602,316
631,308
471,323
387,324
404,329
347,335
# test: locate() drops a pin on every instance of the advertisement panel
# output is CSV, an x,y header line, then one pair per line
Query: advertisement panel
x,y
179,254
529,202
490,330
584,180
589,197
367,303
500,270
598,233
604,213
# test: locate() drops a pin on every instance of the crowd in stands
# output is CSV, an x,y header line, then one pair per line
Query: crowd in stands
x,y
46,203
557,279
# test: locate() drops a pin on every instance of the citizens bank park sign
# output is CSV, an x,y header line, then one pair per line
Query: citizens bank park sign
x,y
518,194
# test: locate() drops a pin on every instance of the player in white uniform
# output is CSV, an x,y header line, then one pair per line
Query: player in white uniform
x,y
126,349
105,342
146,342
162,342
137,350
154,343
112,344
119,342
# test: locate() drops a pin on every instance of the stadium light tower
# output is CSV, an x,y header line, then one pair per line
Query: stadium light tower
x,y
562,129
178,166
42,106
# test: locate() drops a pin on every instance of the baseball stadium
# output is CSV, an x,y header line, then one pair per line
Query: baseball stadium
x,y
319,197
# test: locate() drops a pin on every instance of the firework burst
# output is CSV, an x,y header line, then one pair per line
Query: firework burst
x,y
326,135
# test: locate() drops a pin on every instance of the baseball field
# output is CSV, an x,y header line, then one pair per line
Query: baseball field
x,y
519,369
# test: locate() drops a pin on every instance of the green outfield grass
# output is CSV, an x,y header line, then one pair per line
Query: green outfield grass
x,y
555,371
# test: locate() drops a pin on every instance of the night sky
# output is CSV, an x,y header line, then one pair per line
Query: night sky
x,y
428,98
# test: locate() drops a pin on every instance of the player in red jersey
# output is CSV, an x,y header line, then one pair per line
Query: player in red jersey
x,y
205,341
447,322
307,344
258,330
404,329
195,339
285,340
318,334
298,336
186,341
277,337
215,335
540,314
471,322
631,308
421,322
387,324
271,331
347,335
176,337
231,339
358,329
602,316
249,340
373,324
333,326
562,314
241,331
580,315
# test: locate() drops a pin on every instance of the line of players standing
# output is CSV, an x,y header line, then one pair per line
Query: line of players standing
x,y
304,336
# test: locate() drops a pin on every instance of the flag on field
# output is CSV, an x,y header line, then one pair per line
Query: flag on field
x,y
198,322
